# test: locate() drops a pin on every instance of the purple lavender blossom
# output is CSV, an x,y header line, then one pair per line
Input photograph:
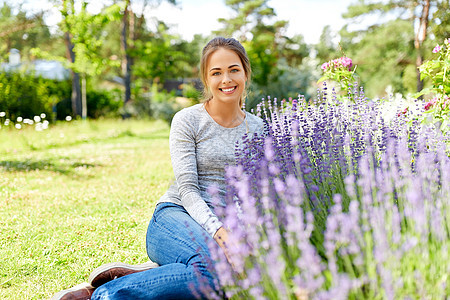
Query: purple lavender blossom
x,y
338,202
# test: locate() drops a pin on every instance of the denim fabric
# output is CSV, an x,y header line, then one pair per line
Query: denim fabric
x,y
180,246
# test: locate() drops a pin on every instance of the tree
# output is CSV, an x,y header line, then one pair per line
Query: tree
x,y
84,35
417,12
21,31
160,55
67,10
421,35
128,38
384,56
153,54
440,23
326,49
127,28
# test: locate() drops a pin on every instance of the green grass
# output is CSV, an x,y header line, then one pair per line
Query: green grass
x,y
76,196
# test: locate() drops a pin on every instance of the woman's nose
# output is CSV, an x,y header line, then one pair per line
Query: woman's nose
x,y
226,78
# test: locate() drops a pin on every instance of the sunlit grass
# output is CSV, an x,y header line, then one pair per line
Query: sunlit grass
x,y
76,196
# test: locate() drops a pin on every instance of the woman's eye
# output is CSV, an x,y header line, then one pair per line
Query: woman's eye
x,y
216,73
234,70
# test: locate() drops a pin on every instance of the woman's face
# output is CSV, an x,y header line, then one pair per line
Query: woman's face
x,y
225,76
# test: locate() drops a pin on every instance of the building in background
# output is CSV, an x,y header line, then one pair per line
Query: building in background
x,y
49,69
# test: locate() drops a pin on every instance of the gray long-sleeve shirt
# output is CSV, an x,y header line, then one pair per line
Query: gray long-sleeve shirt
x,y
200,150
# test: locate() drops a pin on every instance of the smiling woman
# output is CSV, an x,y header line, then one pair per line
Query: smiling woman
x,y
203,140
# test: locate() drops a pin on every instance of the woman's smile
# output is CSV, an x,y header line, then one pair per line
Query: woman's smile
x,y
229,90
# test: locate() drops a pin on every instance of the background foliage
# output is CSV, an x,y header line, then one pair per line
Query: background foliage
x,y
146,51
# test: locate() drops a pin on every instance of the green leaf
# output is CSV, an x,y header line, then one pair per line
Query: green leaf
x,y
422,92
323,78
444,124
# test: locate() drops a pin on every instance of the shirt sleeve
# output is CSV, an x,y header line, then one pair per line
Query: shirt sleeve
x,y
184,162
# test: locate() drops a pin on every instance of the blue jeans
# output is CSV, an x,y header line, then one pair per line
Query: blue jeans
x,y
180,246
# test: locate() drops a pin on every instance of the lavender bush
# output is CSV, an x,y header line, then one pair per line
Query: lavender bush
x,y
335,202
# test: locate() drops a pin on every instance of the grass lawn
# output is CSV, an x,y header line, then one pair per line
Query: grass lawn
x,y
76,196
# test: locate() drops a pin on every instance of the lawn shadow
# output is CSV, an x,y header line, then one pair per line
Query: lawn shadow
x,y
160,134
43,165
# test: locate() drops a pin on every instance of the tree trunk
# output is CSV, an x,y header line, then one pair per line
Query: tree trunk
x,y
126,62
83,97
76,88
420,37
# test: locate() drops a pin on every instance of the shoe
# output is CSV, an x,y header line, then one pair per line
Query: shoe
x,y
82,291
111,271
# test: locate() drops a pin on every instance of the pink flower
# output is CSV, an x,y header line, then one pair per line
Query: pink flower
x,y
430,104
437,49
347,62
403,112
446,104
341,62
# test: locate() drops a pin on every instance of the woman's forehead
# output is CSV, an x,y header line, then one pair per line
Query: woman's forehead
x,y
223,58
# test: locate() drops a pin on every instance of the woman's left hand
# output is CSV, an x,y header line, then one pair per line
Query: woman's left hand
x,y
221,237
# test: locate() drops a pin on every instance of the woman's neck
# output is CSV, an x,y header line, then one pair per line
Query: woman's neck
x,y
228,116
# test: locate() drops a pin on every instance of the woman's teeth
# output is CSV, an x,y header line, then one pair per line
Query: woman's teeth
x,y
228,90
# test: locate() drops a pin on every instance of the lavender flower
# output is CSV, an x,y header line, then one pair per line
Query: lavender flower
x,y
336,202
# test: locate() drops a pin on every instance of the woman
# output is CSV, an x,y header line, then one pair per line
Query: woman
x,y
203,138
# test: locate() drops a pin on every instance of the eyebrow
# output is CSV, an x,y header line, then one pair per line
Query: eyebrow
x,y
217,68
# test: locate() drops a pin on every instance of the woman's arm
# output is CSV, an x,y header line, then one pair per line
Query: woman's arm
x,y
184,162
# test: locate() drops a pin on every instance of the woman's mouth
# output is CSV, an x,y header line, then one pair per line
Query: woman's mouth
x,y
228,90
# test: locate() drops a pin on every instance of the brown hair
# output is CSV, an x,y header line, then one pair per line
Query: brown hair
x,y
230,44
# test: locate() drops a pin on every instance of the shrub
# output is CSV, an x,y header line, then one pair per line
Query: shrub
x,y
154,104
192,93
287,84
165,110
24,95
100,103
103,103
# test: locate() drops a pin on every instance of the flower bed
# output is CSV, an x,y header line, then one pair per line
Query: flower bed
x,y
337,203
